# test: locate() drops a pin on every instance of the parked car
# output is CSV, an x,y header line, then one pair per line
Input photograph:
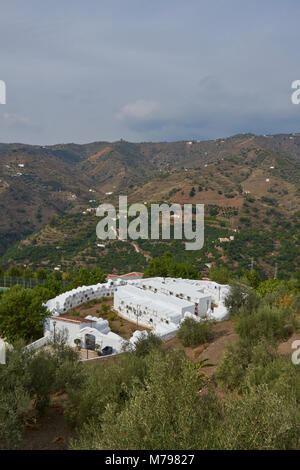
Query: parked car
x,y
107,351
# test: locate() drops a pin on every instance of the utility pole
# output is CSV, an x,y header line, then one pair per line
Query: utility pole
x,y
251,266
54,338
276,271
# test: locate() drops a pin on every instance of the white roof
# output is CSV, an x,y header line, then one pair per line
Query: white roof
x,y
168,305
176,286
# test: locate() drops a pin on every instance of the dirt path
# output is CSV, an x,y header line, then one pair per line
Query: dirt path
x,y
246,141
215,350
138,250
286,347
49,432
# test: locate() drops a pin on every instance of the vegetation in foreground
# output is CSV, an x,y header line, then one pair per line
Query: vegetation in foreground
x,y
151,398
26,382
192,333
157,399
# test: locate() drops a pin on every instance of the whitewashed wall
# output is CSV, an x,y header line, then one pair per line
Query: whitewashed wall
x,y
164,324
71,299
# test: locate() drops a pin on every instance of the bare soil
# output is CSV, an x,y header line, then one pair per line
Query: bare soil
x,y
118,325
213,351
285,347
49,432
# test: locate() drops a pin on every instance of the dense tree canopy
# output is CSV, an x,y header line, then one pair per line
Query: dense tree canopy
x,y
84,276
22,314
166,267
219,274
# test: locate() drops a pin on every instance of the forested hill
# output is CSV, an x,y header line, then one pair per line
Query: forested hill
x,y
249,185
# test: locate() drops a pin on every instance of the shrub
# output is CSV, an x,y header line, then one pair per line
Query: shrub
x,y
274,287
144,345
42,376
103,384
267,322
261,419
278,372
219,274
241,299
230,373
238,356
113,316
167,412
192,192
77,342
193,333
12,406
26,382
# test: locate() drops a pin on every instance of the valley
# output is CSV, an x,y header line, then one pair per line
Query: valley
x,y
249,185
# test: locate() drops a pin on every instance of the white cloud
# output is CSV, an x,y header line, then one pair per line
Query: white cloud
x,y
11,119
140,109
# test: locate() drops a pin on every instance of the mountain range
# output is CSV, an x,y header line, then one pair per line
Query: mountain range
x,y
249,185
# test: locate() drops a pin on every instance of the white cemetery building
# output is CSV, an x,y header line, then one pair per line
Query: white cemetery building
x,y
64,302
163,303
160,304
155,310
90,331
181,289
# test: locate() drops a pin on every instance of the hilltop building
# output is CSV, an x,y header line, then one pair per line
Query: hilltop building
x,y
163,303
180,289
160,304
155,310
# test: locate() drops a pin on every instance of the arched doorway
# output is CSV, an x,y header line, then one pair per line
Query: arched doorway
x,y
90,341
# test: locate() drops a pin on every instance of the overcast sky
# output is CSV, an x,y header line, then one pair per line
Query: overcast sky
x,y
147,70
